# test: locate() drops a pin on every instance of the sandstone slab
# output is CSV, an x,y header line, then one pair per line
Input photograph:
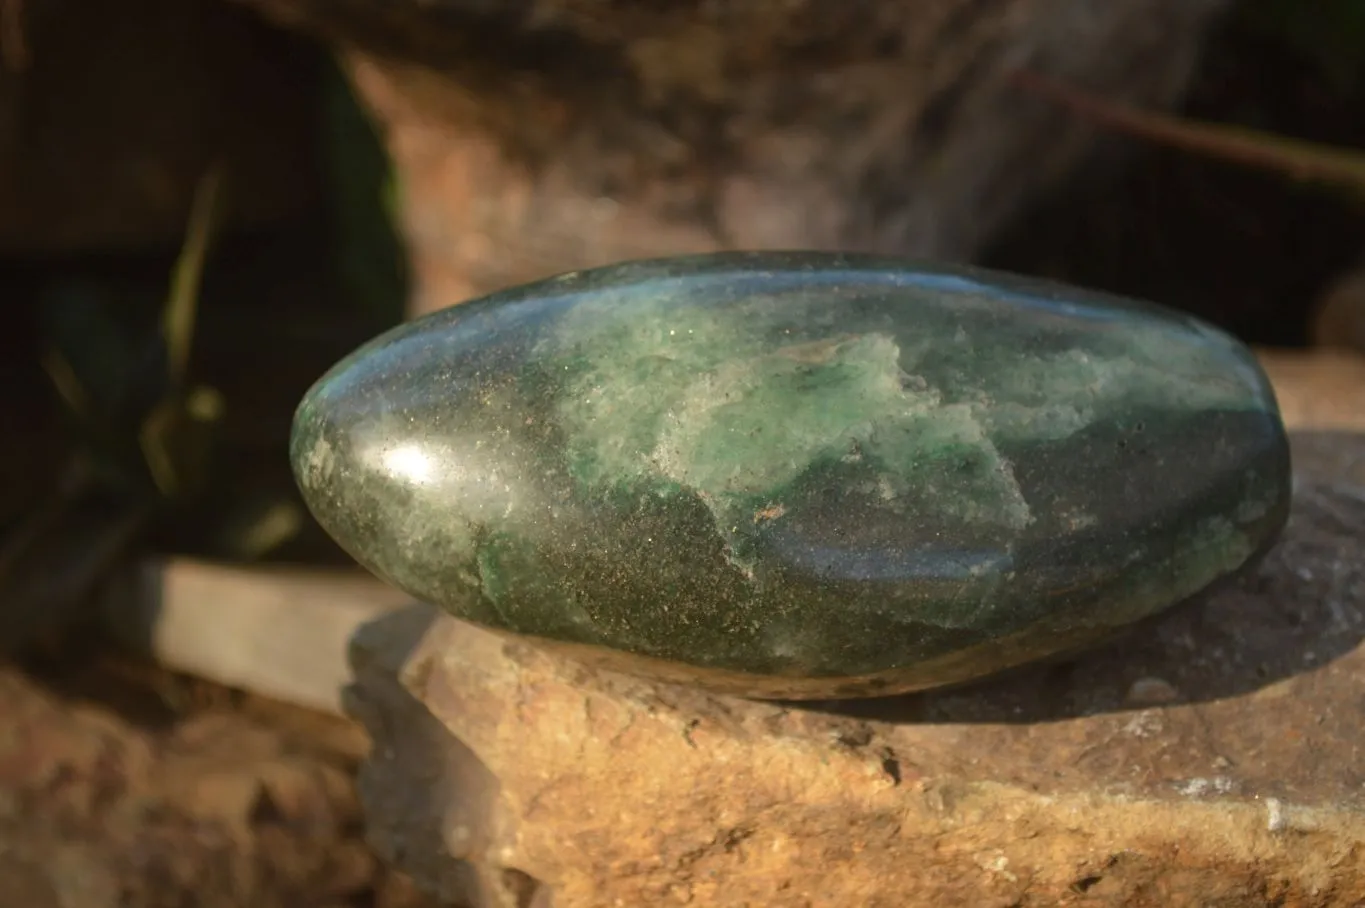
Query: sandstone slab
x,y
1210,757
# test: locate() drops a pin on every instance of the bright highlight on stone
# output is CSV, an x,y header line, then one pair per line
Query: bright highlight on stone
x,y
798,475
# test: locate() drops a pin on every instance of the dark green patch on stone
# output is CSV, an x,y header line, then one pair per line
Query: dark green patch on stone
x,y
798,474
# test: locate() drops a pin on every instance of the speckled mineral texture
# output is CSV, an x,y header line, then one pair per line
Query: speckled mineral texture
x,y
798,475
1211,757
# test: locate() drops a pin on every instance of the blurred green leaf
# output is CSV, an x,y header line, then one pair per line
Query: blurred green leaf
x,y
176,439
259,526
183,301
363,185
92,356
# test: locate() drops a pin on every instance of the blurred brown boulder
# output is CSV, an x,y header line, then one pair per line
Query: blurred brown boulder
x,y
540,136
1339,316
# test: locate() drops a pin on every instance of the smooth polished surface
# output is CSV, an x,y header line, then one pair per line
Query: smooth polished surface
x,y
798,475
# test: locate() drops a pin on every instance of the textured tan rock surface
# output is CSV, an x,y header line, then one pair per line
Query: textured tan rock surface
x,y
537,137
1211,757
108,799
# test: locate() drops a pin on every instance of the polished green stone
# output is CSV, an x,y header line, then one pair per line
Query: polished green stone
x,y
798,475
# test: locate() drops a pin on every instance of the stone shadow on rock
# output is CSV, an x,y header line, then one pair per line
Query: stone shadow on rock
x,y
431,805
1300,607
